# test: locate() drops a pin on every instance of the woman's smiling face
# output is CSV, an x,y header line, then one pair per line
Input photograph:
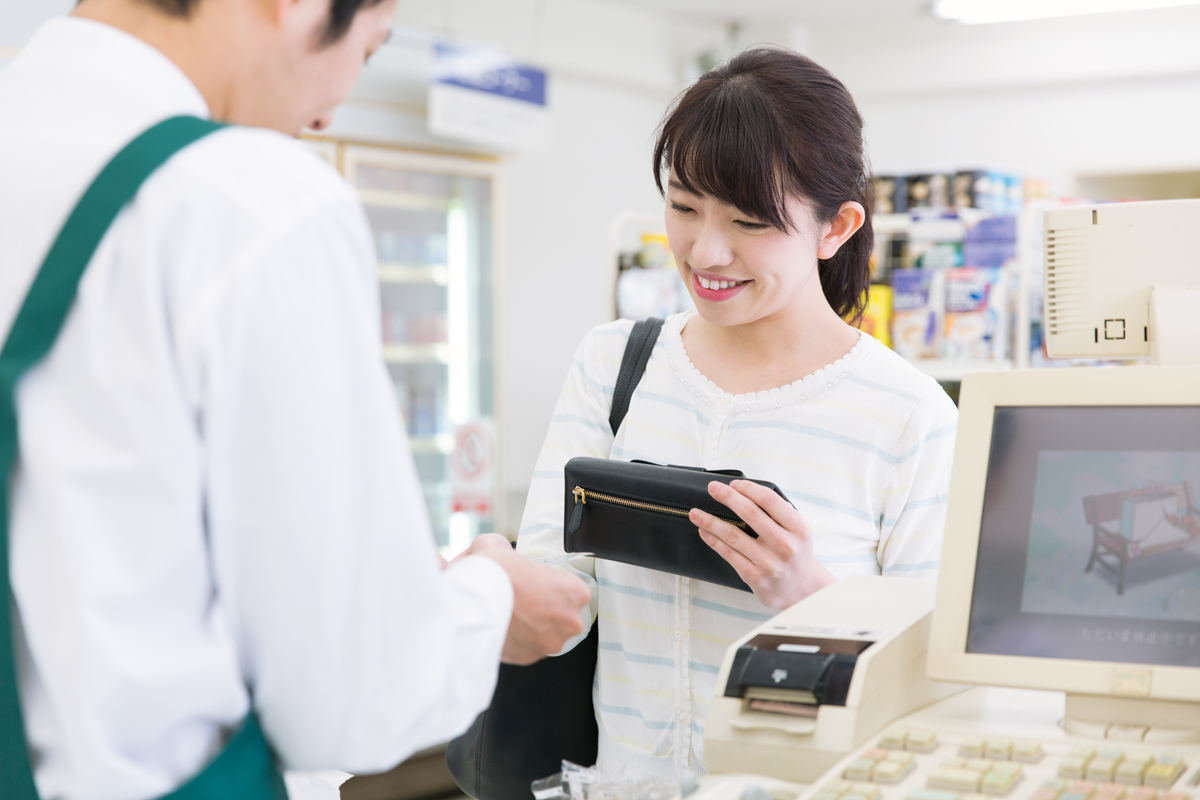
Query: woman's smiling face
x,y
738,268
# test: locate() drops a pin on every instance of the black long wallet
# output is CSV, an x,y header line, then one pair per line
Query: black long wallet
x,y
636,512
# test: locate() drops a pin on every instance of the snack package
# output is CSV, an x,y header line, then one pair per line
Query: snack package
x,y
916,312
935,241
976,314
876,318
991,242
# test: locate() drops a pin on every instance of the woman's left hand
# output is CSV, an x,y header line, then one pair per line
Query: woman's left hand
x,y
779,565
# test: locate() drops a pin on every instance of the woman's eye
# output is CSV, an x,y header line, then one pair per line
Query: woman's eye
x,y
682,209
750,225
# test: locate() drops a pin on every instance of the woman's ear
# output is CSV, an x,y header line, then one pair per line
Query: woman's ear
x,y
845,223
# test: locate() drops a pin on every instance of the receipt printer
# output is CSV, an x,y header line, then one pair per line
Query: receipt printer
x,y
814,682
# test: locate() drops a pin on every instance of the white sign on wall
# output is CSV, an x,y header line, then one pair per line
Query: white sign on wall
x,y
485,97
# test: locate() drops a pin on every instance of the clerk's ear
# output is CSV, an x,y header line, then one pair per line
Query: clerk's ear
x,y
281,12
845,223
301,21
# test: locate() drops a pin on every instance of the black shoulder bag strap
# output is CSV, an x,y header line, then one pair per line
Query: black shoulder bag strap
x,y
246,767
633,365
543,713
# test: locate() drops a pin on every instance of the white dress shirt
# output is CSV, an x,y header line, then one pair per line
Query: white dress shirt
x,y
214,502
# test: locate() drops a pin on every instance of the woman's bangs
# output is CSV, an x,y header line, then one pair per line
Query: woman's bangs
x,y
732,151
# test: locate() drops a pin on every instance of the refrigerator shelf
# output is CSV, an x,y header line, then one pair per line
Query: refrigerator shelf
x,y
381,198
416,353
437,274
440,443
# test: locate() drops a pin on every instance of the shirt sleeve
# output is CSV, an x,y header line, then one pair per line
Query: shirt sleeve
x,y
578,427
358,648
910,541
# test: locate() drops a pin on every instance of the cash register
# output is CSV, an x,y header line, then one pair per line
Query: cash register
x,y
801,690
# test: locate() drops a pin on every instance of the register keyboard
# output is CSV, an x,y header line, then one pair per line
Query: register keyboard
x,y
914,763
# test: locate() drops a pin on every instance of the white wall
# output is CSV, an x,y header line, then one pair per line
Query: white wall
x,y
1054,99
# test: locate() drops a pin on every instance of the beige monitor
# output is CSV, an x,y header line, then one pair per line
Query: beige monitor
x,y
1072,550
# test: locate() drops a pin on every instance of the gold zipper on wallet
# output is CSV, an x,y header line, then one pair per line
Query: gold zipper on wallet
x,y
582,495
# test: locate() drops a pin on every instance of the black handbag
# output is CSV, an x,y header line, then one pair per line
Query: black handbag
x,y
542,713
637,512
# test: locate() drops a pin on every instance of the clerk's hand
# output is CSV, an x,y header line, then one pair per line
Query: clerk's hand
x,y
779,565
547,606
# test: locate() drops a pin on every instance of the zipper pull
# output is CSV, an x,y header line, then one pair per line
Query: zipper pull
x,y
577,512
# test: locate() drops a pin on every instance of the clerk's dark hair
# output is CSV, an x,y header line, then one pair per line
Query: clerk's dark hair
x,y
770,124
341,14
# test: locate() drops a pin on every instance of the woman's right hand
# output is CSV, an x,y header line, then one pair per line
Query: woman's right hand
x,y
778,565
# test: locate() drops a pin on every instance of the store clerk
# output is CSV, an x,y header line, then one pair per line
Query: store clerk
x,y
213,508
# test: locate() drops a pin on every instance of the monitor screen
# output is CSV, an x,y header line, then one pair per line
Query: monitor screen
x,y
1089,539
1072,547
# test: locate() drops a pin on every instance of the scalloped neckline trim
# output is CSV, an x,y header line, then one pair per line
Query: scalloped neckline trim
x,y
801,389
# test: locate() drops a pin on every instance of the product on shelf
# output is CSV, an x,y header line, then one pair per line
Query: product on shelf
x,y
876,318
991,242
426,410
889,253
648,284
891,194
655,252
976,314
935,241
930,190
916,312
986,190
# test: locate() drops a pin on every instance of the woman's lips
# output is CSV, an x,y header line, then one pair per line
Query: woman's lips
x,y
716,290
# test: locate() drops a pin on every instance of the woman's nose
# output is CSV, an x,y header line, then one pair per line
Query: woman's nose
x,y
711,247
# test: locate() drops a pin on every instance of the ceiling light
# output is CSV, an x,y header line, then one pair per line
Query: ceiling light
x,y
978,11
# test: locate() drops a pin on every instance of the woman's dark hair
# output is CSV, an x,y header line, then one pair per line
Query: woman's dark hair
x,y
768,124
341,14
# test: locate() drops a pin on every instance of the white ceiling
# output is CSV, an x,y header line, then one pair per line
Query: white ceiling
x,y
810,12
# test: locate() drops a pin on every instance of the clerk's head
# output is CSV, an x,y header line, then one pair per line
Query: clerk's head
x,y
281,64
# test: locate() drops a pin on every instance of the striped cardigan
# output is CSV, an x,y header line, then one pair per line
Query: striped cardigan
x,y
861,447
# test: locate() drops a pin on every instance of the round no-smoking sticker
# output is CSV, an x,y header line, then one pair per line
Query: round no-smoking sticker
x,y
472,467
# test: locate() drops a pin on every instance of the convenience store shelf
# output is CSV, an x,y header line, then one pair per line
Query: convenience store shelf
x,y
436,274
415,353
949,369
414,202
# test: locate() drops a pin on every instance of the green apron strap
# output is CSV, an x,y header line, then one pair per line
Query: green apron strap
x,y
246,767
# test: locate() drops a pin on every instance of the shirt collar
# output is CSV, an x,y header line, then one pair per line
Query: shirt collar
x,y
109,53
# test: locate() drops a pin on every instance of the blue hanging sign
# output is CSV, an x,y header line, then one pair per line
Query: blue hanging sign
x,y
485,97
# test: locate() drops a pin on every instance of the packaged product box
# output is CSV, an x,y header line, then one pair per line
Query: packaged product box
x,y
928,190
976,314
891,194
916,312
935,241
988,252
888,253
991,242
1015,194
972,188
876,318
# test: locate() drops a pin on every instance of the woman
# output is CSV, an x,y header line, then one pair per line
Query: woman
x,y
768,215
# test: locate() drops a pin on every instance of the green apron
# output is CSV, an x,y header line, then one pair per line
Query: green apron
x,y
246,768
